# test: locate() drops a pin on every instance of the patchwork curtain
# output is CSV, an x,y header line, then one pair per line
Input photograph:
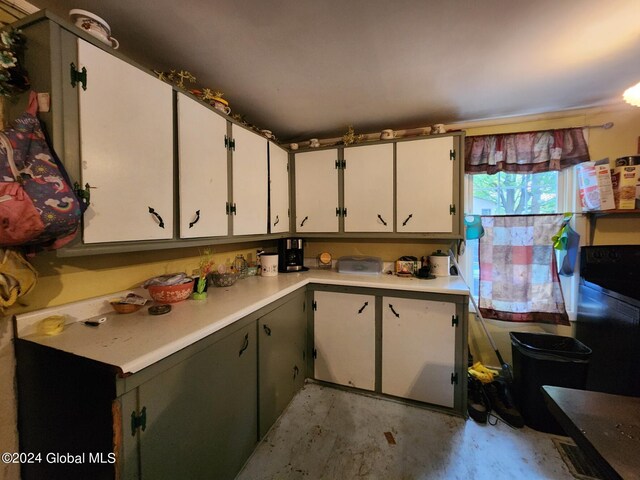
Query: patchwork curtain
x,y
518,274
527,152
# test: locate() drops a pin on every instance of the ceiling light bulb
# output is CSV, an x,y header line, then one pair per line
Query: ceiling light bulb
x,y
632,95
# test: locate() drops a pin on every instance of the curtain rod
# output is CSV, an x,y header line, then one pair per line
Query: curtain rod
x,y
606,126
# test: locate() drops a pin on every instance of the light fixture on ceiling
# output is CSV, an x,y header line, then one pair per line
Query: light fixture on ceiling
x,y
632,95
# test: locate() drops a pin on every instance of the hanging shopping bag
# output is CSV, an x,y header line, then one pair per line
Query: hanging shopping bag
x,y
20,222
42,177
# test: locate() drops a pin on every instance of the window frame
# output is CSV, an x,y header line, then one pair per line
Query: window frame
x,y
567,201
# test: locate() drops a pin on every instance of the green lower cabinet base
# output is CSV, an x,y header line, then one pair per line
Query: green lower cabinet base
x,y
282,337
192,415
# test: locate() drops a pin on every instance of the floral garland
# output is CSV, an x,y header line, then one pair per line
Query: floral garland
x,y
13,78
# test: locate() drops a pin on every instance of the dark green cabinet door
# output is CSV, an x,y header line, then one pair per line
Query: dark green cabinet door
x,y
282,337
201,415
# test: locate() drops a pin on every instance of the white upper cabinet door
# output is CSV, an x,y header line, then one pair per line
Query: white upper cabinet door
x,y
418,350
424,185
316,191
202,169
250,182
126,149
368,188
344,339
278,188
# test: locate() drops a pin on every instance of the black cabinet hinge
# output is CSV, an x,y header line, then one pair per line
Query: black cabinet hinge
x,y
452,209
344,164
454,320
138,421
452,154
232,144
314,306
344,212
226,142
78,76
226,208
337,164
315,353
454,378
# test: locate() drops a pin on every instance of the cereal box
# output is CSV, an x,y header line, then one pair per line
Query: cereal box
x,y
627,180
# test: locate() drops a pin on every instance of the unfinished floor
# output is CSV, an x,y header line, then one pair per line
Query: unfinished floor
x,y
327,433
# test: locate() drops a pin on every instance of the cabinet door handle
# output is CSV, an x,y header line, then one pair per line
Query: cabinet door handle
x,y
267,330
363,307
394,312
277,221
304,220
158,217
407,220
191,224
382,220
245,345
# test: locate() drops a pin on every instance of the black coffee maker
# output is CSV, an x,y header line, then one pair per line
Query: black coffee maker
x,y
290,255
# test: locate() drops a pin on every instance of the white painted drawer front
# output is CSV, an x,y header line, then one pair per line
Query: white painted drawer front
x,y
368,188
278,188
424,185
316,191
203,170
250,182
418,350
344,339
126,148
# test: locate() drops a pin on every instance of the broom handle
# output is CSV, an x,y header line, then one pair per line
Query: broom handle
x,y
475,306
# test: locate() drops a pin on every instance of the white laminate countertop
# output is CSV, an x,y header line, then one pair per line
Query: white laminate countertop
x,y
134,341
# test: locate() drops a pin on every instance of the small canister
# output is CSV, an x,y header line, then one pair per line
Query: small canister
x,y
269,262
440,265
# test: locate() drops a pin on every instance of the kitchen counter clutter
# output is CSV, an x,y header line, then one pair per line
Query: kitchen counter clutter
x,y
189,393
134,341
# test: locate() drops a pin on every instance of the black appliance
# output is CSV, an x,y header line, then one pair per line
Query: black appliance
x,y
608,318
290,255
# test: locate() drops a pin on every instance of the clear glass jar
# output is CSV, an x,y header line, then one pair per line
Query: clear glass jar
x,y
241,266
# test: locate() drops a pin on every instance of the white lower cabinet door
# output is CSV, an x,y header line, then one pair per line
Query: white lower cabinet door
x,y
418,350
126,148
424,185
278,188
317,192
368,188
250,182
344,339
202,169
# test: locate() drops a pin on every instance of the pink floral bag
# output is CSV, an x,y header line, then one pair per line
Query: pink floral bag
x,y
42,181
20,222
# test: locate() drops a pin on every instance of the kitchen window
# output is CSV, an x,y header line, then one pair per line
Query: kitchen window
x,y
519,194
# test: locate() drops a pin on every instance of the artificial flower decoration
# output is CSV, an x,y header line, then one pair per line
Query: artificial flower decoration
x,y
13,78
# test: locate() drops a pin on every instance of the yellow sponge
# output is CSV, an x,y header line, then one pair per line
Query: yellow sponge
x,y
52,325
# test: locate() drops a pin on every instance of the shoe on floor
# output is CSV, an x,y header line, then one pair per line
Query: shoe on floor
x,y
502,403
477,401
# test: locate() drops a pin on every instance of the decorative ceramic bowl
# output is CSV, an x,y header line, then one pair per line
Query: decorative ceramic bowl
x,y
223,279
121,307
93,25
171,293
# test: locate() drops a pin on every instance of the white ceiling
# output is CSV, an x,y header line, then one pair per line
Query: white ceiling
x,y
309,68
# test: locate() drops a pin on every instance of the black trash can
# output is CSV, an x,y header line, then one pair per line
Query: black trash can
x,y
544,359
